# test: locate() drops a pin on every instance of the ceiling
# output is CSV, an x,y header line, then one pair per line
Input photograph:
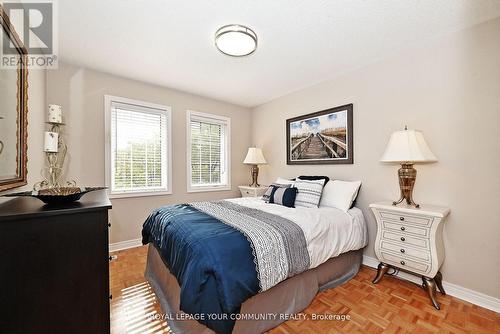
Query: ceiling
x,y
301,43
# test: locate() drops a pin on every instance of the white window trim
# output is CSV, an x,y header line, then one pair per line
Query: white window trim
x,y
108,99
227,152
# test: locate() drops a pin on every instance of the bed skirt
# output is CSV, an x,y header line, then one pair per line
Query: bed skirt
x,y
288,297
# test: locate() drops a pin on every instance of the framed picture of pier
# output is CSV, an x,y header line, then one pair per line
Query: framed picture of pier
x,y
323,137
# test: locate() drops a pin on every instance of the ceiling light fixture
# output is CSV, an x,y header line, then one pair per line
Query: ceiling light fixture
x,y
236,40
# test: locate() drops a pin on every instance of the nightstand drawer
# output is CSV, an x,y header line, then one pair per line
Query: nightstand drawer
x,y
252,191
425,221
405,239
418,254
248,193
402,227
404,263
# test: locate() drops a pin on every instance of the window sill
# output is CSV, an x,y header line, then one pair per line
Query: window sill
x,y
207,189
138,194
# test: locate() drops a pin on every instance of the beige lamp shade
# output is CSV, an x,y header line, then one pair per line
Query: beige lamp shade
x,y
255,157
408,146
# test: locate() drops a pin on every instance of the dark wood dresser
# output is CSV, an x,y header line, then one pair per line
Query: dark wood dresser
x,y
54,266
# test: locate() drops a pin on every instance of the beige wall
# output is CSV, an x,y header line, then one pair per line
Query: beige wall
x,y
450,90
81,93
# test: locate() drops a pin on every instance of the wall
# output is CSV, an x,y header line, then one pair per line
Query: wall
x,y
81,93
449,89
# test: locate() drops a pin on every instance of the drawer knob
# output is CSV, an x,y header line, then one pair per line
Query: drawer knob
x,y
403,263
402,228
402,250
402,218
403,239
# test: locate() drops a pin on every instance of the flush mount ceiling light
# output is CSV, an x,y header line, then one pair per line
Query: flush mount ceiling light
x,y
236,40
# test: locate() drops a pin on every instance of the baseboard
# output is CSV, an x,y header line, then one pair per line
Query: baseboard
x,y
125,245
454,290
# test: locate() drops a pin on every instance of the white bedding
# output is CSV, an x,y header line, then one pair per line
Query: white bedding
x,y
329,232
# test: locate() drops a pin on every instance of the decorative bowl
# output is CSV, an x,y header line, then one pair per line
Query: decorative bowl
x,y
58,195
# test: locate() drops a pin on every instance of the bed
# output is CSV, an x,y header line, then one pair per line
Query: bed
x,y
245,266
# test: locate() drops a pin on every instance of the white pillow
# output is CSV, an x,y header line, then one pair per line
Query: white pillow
x,y
281,180
339,194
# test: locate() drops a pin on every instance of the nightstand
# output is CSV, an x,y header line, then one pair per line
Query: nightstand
x,y
247,191
411,239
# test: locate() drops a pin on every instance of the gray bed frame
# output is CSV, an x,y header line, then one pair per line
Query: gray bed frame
x,y
288,297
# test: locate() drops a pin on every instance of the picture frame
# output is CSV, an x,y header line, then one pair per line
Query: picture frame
x,y
322,137
14,112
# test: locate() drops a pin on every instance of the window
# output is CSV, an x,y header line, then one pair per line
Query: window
x,y
208,152
138,148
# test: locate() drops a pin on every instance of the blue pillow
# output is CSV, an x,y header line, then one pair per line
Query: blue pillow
x,y
283,196
267,196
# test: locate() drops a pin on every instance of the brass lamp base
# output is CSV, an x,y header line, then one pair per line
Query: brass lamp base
x,y
407,175
255,175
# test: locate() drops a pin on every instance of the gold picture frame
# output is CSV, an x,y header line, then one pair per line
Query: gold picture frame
x,y
20,178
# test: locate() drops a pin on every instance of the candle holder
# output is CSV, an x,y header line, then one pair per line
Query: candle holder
x,y
51,190
55,162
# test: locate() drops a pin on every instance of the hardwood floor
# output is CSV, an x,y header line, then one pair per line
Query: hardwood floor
x,y
391,306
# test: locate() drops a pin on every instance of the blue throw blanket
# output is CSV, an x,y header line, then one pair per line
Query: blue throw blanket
x,y
212,261
222,254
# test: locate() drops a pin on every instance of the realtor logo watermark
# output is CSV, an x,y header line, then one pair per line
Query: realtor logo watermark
x,y
35,25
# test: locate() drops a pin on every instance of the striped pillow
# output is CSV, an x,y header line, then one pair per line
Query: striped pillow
x,y
309,193
267,196
284,196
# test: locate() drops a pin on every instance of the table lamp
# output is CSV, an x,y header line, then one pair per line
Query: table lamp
x,y
255,157
407,147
